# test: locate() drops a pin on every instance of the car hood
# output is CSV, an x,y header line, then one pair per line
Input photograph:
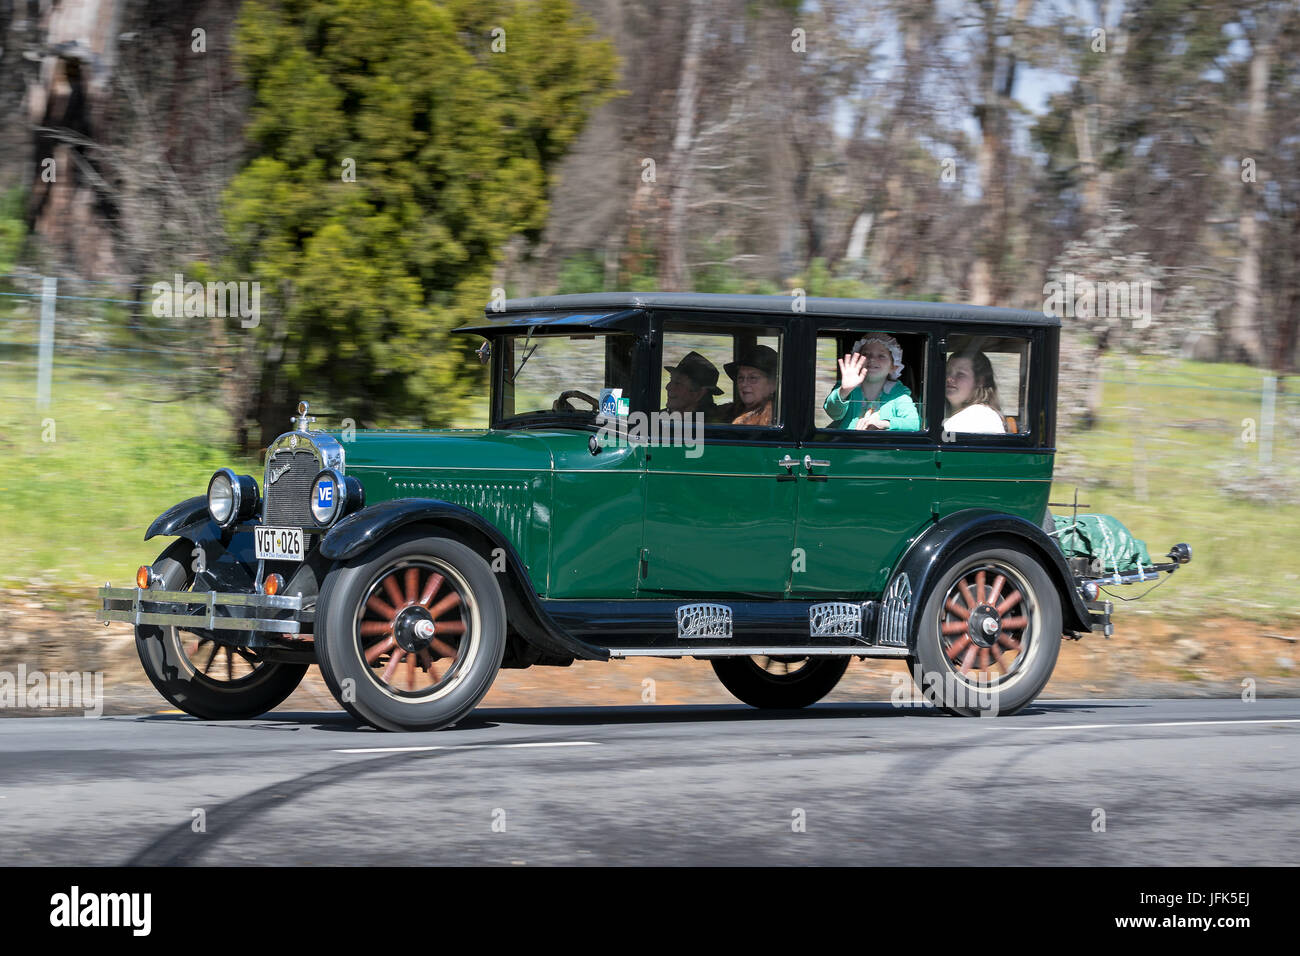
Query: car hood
x,y
460,447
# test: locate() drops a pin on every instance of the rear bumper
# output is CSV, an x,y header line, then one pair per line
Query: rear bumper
x,y
207,610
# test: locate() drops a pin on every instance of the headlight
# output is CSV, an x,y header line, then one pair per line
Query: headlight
x,y
231,497
333,496
325,495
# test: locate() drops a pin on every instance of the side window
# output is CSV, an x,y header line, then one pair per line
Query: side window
x,y
986,385
885,386
730,377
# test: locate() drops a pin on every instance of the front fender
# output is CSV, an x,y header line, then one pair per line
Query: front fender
x,y
182,518
926,557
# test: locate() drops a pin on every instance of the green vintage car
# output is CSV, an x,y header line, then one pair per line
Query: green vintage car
x,y
777,484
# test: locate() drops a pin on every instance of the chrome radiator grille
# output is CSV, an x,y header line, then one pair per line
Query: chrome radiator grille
x,y
287,500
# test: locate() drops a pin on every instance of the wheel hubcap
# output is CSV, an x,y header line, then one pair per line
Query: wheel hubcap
x,y
413,628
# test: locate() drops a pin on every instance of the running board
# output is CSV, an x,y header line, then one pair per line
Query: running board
x,y
737,650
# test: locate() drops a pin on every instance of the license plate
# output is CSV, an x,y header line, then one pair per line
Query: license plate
x,y
279,544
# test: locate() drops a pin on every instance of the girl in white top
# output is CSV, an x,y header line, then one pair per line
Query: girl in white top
x,y
972,396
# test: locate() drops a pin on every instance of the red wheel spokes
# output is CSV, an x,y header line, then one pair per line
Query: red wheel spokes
x,y
430,588
975,589
380,608
958,646
394,592
402,586
393,661
995,591
450,601
1009,602
374,653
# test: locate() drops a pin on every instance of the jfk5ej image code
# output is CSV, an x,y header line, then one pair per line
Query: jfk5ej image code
x,y
1194,898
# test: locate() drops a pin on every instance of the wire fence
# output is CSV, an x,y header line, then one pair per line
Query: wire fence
x,y
59,329
56,328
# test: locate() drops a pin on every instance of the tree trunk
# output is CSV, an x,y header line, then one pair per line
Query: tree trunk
x,y
997,83
1245,339
674,273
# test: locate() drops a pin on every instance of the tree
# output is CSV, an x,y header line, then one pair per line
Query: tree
x,y
399,146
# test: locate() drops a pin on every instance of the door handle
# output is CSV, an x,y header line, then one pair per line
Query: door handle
x,y
788,464
809,463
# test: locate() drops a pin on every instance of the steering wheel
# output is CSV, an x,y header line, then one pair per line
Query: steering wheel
x,y
562,403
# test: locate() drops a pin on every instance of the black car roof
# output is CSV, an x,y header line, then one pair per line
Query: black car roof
x,y
615,308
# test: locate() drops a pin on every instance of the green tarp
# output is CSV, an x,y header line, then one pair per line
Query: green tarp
x,y
1103,538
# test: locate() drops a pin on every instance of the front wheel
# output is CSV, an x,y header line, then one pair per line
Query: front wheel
x,y
989,632
780,682
205,679
410,635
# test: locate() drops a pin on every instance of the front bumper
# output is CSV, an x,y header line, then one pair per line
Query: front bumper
x,y
208,610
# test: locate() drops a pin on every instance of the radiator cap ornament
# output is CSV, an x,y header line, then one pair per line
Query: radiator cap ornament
x,y
303,421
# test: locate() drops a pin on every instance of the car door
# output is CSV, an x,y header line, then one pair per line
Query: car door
x,y
863,494
720,503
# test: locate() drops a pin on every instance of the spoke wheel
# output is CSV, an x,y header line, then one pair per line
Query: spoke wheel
x,y
205,678
414,627
985,624
989,631
411,633
221,662
781,682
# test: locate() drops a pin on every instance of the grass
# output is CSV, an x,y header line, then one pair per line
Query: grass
x,y
83,478
1170,461
1164,460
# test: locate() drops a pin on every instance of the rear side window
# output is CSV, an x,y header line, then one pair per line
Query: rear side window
x,y
986,385
730,377
887,374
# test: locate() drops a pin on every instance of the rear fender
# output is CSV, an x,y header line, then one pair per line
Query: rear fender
x,y
927,556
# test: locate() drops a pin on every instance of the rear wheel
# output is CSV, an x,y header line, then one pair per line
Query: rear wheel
x,y
989,633
204,678
780,682
410,635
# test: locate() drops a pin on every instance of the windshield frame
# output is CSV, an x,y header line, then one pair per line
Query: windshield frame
x,y
505,362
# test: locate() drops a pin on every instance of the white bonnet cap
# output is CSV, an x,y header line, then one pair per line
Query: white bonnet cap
x,y
891,343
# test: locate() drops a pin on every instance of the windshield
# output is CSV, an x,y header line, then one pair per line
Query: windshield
x,y
549,377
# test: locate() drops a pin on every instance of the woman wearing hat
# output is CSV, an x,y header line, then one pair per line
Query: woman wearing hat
x,y
755,377
870,396
691,386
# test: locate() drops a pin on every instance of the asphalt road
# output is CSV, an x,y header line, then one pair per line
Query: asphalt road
x,y
1208,782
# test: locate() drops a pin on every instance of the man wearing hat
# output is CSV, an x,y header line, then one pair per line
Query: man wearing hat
x,y
691,386
755,375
